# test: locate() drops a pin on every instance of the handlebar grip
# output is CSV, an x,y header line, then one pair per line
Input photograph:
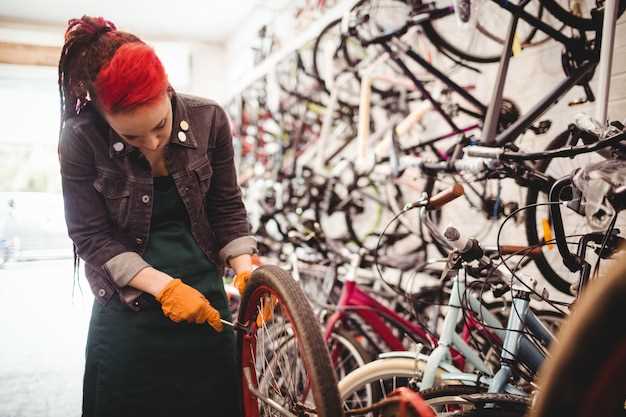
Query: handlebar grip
x,y
444,197
520,250
471,165
484,152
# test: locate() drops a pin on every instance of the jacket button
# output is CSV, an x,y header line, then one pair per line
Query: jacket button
x,y
118,146
184,125
145,198
102,292
182,136
139,241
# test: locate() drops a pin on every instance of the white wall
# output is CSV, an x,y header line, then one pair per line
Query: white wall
x,y
208,71
193,66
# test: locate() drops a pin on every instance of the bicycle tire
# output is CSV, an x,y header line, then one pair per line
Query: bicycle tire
x,y
549,261
379,369
272,280
504,405
529,42
532,235
450,390
497,412
441,43
587,379
438,38
316,45
340,50
572,20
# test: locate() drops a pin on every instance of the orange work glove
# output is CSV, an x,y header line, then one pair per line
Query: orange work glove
x,y
181,302
267,311
241,280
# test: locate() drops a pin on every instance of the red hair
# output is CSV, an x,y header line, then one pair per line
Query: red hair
x,y
133,77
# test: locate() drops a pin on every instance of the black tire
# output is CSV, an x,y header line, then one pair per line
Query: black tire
x,y
311,348
442,43
497,412
482,403
532,236
440,39
315,58
450,390
565,16
589,379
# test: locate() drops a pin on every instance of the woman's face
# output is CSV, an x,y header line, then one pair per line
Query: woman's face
x,y
147,127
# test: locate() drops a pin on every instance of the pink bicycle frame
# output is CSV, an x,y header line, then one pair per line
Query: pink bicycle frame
x,y
353,300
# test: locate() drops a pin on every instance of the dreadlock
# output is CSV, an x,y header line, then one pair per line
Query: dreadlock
x,y
90,43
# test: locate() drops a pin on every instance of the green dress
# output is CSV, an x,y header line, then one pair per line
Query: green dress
x,y
142,363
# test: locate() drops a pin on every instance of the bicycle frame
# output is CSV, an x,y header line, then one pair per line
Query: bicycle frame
x,y
514,344
512,132
396,124
355,301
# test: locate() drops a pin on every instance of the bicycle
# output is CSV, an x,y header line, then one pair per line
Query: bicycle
x,y
285,367
409,366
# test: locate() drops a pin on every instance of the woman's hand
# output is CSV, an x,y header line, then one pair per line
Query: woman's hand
x,y
242,265
266,312
241,280
181,302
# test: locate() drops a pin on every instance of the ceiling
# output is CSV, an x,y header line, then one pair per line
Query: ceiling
x,y
202,20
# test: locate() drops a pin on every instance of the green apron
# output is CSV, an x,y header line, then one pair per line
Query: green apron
x,y
142,363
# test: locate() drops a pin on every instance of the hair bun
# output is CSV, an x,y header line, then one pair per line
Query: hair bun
x,y
89,26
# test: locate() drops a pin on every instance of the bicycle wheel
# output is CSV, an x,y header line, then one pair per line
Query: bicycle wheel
x,y
328,61
539,223
285,364
325,56
589,379
466,401
375,380
346,353
482,42
576,13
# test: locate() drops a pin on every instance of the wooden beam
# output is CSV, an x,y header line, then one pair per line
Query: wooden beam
x,y
24,54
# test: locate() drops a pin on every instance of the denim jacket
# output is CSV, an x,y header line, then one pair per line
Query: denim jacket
x,y
108,190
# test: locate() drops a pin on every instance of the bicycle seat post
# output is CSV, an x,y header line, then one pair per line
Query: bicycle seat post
x,y
355,263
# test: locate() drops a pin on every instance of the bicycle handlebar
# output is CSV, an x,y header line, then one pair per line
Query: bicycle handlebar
x,y
520,250
484,152
439,200
498,153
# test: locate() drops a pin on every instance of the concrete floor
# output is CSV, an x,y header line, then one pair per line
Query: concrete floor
x,y
43,329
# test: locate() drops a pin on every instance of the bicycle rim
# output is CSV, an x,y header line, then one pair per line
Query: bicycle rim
x,y
285,360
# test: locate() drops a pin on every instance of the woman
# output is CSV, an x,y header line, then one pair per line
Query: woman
x,y
153,208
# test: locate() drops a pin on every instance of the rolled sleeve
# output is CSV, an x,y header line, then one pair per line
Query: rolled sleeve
x,y
123,267
245,245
